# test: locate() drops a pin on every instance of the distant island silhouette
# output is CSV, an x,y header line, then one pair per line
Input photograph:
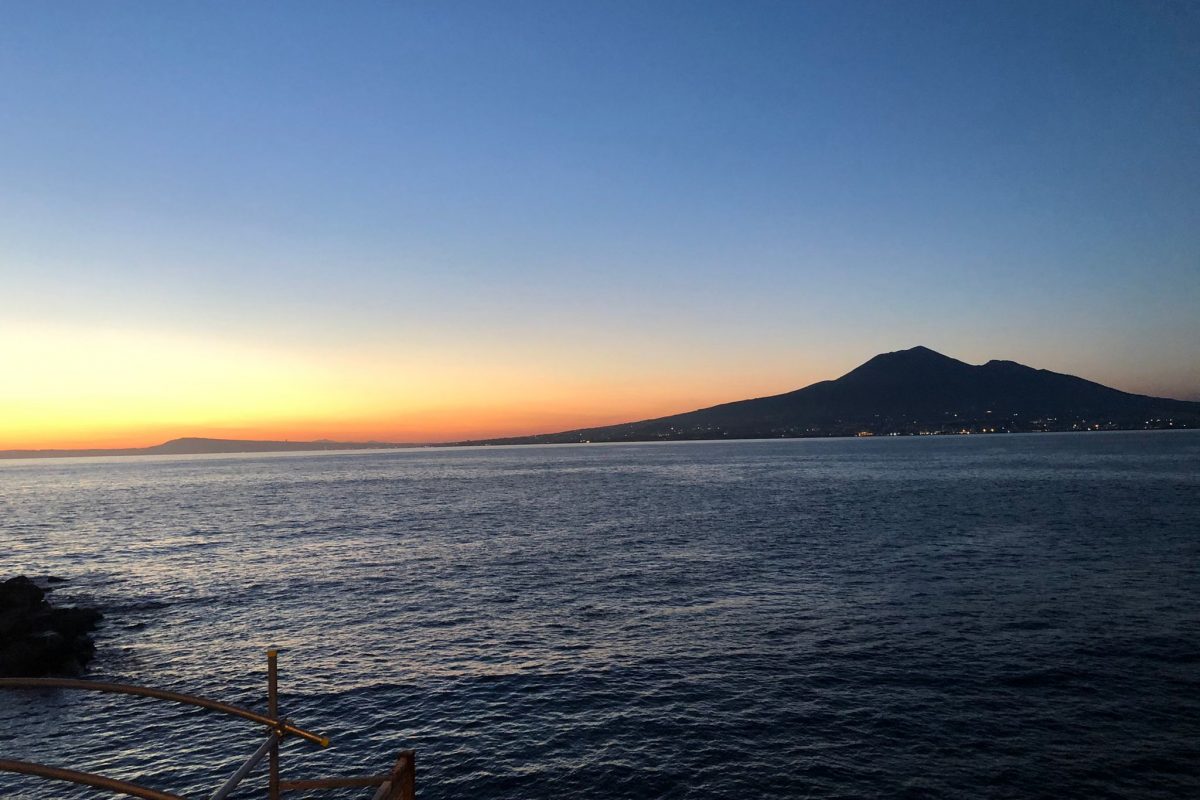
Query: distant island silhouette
x,y
194,446
908,392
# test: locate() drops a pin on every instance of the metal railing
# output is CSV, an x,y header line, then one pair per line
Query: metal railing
x,y
399,784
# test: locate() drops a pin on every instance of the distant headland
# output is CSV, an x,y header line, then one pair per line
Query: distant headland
x,y
194,446
903,393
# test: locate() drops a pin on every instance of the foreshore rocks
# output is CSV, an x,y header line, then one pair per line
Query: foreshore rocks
x,y
37,639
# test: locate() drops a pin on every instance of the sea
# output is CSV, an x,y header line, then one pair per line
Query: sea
x,y
1005,616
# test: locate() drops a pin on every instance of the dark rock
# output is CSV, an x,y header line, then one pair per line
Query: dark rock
x,y
20,593
38,639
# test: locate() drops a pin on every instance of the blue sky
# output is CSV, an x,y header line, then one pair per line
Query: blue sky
x,y
727,198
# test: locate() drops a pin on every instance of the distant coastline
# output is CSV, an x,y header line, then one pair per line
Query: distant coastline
x,y
914,392
235,446
195,446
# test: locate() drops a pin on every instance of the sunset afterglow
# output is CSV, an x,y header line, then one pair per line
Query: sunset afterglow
x,y
445,222
114,388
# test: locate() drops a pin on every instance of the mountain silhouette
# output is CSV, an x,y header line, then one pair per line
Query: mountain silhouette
x,y
909,391
195,445
915,391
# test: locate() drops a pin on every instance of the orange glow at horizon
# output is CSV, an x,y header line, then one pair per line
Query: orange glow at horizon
x,y
72,388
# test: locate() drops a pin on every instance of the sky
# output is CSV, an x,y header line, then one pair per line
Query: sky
x,y
424,221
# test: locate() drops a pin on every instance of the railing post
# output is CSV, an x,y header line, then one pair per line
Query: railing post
x,y
273,713
404,784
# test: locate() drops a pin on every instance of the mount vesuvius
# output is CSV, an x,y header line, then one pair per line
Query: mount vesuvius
x,y
908,392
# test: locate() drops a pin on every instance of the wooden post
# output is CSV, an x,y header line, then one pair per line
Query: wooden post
x,y
273,713
408,780
402,783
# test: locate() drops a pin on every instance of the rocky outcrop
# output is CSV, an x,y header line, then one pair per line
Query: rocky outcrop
x,y
36,638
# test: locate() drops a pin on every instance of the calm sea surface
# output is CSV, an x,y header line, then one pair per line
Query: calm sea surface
x,y
1005,616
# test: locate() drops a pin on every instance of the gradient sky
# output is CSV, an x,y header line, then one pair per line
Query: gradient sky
x,y
421,221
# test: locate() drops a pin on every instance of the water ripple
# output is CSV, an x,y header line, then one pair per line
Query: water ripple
x,y
975,617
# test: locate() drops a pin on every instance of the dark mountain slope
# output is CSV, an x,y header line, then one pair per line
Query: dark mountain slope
x,y
910,391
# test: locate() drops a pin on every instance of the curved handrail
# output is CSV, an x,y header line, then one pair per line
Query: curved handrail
x,y
283,727
85,779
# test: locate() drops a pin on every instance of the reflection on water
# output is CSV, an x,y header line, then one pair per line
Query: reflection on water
x,y
1000,616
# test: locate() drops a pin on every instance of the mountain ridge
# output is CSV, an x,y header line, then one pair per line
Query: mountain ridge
x,y
913,391
903,392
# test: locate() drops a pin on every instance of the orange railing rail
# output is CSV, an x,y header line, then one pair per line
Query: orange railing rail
x,y
399,784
